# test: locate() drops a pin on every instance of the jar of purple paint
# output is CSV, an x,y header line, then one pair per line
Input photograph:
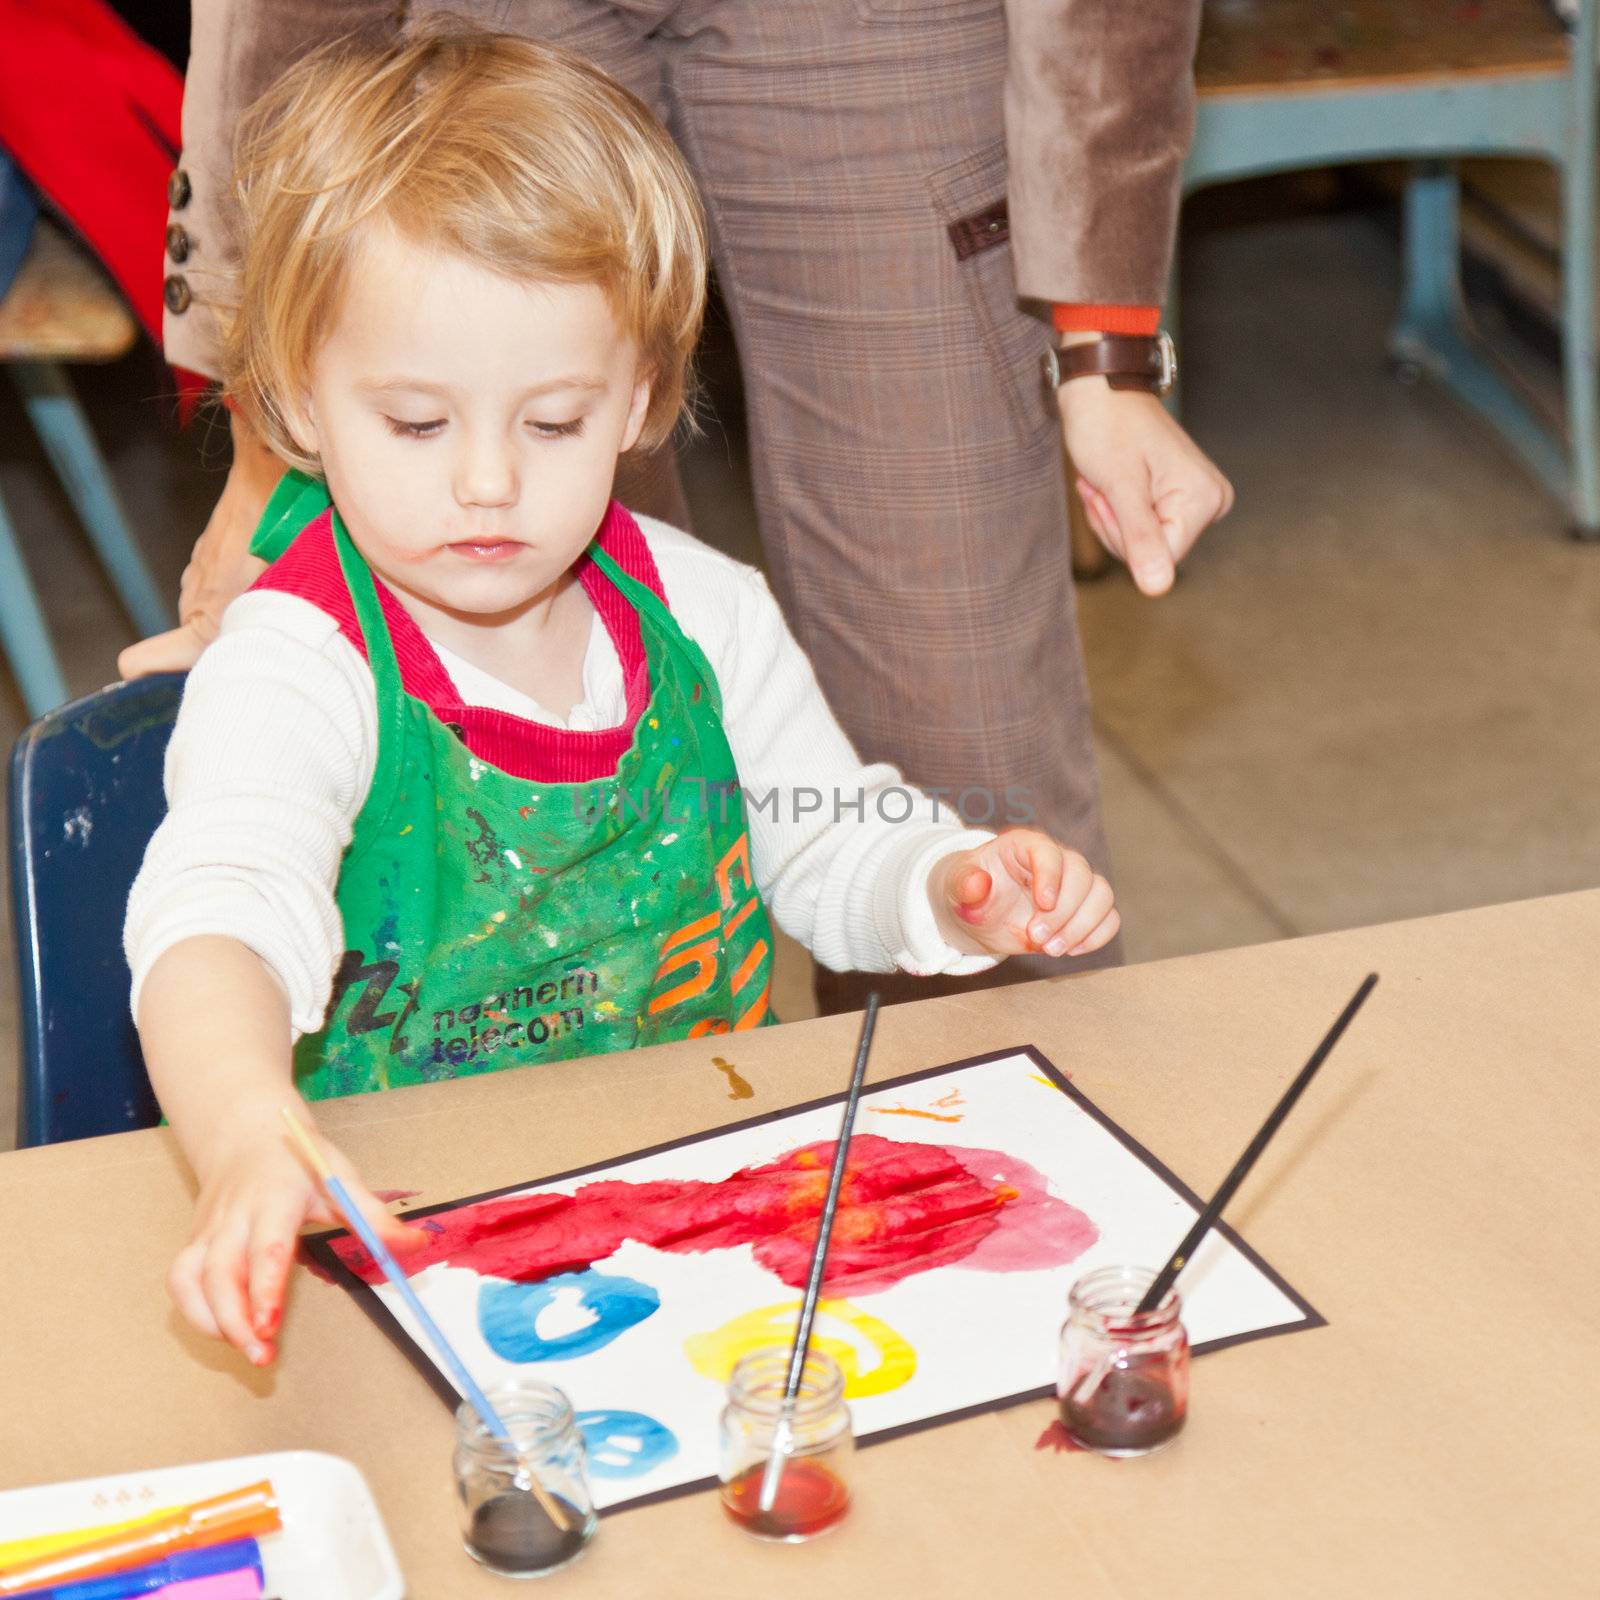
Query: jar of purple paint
x,y
1123,1380
525,1507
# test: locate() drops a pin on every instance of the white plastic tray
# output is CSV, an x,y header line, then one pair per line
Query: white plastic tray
x,y
333,1545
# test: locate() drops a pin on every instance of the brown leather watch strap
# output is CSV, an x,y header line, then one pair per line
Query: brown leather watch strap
x,y
1125,361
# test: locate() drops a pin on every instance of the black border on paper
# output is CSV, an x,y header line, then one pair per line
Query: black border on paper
x,y
320,1248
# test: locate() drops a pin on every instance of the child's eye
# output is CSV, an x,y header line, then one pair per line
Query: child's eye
x,y
414,430
558,430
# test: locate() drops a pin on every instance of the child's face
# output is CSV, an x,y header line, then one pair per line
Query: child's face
x,y
469,426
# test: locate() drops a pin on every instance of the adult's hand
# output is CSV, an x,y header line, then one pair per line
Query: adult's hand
x,y
1148,490
220,566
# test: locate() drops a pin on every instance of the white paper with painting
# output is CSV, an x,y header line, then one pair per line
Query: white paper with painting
x,y
976,1194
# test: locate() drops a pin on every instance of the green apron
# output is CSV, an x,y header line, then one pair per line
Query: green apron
x,y
493,921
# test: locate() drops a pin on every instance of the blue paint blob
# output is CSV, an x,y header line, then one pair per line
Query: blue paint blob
x,y
589,1310
625,1444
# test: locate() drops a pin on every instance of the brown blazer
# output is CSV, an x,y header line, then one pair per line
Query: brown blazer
x,y
1099,109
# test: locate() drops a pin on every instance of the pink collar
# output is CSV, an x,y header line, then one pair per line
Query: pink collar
x,y
310,569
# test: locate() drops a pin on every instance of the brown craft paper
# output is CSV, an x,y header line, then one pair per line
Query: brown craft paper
x,y
1431,1195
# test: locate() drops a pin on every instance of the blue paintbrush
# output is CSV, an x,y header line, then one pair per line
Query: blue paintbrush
x,y
395,1273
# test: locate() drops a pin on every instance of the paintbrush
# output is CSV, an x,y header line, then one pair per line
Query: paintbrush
x,y
772,1474
1180,1258
356,1221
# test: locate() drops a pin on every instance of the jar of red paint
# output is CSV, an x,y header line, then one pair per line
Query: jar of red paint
x,y
812,1492
1123,1380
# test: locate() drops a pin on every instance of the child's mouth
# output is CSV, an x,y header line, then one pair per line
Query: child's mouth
x,y
486,549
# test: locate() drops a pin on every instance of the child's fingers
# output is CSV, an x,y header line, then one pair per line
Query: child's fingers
x,y
270,1258
1077,876
1049,862
972,890
183,1284
1102,936
1093,910
223,1278
398,1235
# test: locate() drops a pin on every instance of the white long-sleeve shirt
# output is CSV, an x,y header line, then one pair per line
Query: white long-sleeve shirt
x,y
277,740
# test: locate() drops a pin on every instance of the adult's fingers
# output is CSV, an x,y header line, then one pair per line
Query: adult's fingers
x,y
1187,512
1144,545
1098,514
174,651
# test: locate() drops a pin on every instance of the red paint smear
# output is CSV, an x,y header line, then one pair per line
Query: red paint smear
x,y
1056,1438
389,1196
905,1208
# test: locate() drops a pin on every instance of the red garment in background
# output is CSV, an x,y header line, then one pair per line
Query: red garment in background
x,y
92,114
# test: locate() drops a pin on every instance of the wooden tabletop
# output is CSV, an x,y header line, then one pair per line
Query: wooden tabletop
x,y
1259,46
1434,1196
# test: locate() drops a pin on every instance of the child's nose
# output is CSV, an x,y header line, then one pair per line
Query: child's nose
x,y
486,474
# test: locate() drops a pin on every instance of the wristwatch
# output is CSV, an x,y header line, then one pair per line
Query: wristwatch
x,y
1125,361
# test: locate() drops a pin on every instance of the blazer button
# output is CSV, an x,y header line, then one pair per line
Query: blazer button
x,y
177,243
175,291
178,189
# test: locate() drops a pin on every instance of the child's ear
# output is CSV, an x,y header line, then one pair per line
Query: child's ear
x,y
300,418
638,409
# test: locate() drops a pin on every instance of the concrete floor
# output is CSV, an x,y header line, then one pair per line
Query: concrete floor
x,y
1367,698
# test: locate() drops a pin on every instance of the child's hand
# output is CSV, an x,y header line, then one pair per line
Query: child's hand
x,y
229,1280
1022,891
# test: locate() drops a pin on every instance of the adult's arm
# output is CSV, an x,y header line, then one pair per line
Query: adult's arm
x,y
1099,111
1099,105
236,49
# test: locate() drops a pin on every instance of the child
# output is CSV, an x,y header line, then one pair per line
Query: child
x,y
484,772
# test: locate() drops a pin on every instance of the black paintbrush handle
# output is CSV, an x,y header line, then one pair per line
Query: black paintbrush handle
x,y
830,1204
1157,1291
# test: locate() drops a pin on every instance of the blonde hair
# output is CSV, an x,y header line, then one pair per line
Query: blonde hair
x,y
521,157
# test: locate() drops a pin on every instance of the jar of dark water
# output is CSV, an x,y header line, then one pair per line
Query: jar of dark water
x,y
525,1507
786,1466
1123,1380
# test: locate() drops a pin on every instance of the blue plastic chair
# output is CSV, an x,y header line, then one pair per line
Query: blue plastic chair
x,y
1286,85
86,794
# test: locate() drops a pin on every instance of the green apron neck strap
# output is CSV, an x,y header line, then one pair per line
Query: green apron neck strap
x,y
648,603
298,499
381,658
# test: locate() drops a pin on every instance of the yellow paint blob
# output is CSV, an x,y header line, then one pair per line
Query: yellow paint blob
x,y
872,1356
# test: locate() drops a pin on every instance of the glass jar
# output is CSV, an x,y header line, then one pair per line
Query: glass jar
x,y
525,1508
814,1442
1123,1382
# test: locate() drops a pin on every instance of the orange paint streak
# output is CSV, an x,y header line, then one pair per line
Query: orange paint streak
x,y
911,1111
738,917
753,1016
695,930
748,966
